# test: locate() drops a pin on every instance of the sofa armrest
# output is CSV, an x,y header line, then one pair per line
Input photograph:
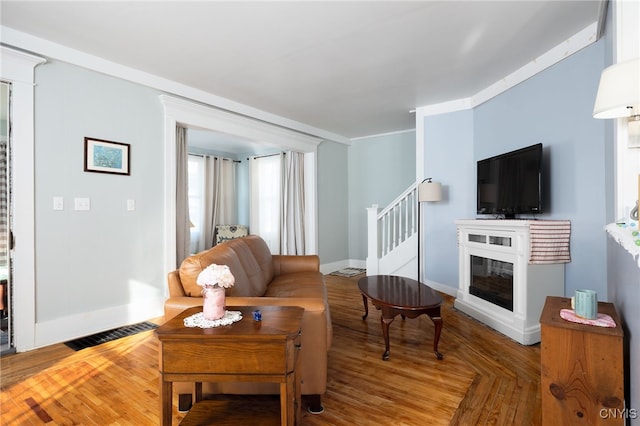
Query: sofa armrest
x,y
288,264
176,305
175,285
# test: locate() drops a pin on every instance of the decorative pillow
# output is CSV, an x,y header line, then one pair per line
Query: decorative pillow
x,y
230,232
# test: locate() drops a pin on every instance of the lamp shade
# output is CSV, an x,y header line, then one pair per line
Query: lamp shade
x,y
619,89
429,191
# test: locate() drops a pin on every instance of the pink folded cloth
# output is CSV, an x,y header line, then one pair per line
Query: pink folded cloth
x,y
603,320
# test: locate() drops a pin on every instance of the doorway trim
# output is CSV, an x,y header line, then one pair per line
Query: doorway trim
x,y
178,111
18,69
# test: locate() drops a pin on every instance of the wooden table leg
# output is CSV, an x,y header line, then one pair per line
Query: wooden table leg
x,y
284,397
289,400
366,307
385,332
437,322
198,386
166,391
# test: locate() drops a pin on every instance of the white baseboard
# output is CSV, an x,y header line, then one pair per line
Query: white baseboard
x,y
74,326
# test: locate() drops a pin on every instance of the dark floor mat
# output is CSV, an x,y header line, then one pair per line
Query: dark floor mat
x,y
108,336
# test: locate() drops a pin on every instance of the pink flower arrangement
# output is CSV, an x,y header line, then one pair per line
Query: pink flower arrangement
x,y
216,276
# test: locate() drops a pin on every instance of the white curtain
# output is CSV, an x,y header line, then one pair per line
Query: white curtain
x,y
220,196
4,187
293,202
265,175
196,201
182,197
277,201
212,198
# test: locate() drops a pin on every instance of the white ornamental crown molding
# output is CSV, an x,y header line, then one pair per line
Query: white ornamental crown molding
x,y
17,66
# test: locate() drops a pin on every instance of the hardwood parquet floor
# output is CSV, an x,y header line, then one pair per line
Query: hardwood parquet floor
x,y
485,378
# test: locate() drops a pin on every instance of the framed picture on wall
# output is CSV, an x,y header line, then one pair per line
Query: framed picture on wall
x,y
102,156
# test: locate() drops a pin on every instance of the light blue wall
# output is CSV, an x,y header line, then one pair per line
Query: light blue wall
x,y
333,228
106,257
448,160
380,169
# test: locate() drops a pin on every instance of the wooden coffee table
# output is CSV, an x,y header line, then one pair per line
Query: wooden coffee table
x,y
245,351
394,296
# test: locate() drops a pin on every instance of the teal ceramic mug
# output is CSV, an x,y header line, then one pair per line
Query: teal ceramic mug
x,y
585,304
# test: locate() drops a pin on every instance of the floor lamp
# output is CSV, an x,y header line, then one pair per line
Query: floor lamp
x,y
427,192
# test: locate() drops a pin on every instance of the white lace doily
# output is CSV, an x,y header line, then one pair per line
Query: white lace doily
x,y
627,237
198,320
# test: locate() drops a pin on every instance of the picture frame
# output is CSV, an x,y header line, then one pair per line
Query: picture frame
x,y
102,156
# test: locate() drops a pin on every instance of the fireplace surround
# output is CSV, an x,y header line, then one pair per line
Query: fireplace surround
x,y
492,280
498,284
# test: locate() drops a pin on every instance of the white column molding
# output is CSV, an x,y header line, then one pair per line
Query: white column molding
x,y
18,69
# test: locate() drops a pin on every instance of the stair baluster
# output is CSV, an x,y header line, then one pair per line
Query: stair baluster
x,y
392,236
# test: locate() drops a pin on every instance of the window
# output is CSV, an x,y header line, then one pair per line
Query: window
x,y
266,189
196,201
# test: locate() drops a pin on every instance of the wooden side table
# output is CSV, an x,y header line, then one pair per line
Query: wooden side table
x,y
582,371
245,351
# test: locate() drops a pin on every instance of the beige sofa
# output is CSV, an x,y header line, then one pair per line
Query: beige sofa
x,y
262,279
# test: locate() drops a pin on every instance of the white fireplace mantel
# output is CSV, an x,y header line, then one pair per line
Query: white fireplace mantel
x,y
506,241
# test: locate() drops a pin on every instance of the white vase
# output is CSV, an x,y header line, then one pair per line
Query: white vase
x,y
214,306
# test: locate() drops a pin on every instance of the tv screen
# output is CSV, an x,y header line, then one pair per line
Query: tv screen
x,y
511,184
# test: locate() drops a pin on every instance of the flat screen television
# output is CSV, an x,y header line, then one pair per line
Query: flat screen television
x,y
510,184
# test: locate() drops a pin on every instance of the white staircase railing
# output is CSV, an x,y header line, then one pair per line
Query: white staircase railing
x,y
392,236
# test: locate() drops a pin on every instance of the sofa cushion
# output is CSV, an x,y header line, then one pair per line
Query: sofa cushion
x,y
253,282
298,284
262,255
251,275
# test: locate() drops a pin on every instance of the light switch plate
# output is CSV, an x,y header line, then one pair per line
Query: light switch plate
x,y
131,205
82,204
58,203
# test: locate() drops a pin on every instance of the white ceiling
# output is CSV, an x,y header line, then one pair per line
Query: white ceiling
x,y
351,68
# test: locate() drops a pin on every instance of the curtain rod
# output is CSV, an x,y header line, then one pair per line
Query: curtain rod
x,y
267,155
215,156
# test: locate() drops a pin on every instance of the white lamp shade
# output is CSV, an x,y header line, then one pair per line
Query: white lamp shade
x,y
619,89
429,191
